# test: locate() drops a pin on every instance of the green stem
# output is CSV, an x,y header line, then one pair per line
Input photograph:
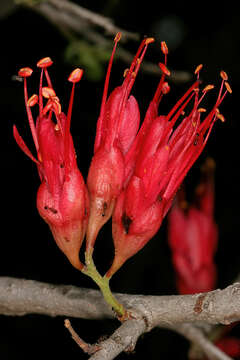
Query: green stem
x,y
103,283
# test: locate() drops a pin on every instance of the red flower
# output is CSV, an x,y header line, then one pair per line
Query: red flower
x,y
157,163
193,238
62,198
117,126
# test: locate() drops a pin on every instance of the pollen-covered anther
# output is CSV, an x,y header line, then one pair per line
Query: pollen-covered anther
x,y
220,116
198,68
48,92
118,36
208,88
201,110
164,69
149,40
32,100
224,75
44,62
75,75
228,87
25,72
164,47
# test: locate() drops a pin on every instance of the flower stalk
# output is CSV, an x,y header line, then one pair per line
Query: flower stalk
x,y
103,284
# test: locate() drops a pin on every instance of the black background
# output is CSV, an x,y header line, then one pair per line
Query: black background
x,y
197,34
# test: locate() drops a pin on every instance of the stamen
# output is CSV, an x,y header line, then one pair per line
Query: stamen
x,y
75,75
228,87
198,68
48,92
32,100
164,47
45,62
201,110
164,69
208,87
25,72
220,116
224,75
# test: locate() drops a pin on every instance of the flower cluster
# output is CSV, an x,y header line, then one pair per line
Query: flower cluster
x,y
136,169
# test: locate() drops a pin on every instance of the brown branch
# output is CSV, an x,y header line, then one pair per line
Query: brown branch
x,y
20,297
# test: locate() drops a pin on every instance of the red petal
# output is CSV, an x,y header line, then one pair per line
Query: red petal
x,y
22,145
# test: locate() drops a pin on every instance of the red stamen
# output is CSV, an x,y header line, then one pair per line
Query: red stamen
x,y
164,69
106,84
32,100
25,72
45,62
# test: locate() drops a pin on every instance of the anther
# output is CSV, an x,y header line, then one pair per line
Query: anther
x,y
198,68
224,75
45,62
220,117
201,110
208,87
48,92
164,69
75,75
149,40
118,37
228,87
25,72
164,47
32,100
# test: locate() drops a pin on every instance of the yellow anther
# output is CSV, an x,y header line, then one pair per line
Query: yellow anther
x,y
201,110
118,36
32,100
224,75
198,68
48,92
208,87
228,87
149,40
45,62
75,75
164,47
25,72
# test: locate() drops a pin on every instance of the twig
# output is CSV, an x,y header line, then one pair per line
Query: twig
x,y
87,348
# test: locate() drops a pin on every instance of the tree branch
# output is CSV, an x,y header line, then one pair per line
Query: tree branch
x,y
20,297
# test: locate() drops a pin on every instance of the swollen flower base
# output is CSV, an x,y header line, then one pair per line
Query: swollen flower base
x,y
135,171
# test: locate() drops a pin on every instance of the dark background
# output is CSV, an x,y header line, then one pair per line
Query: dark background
x,y
194,35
